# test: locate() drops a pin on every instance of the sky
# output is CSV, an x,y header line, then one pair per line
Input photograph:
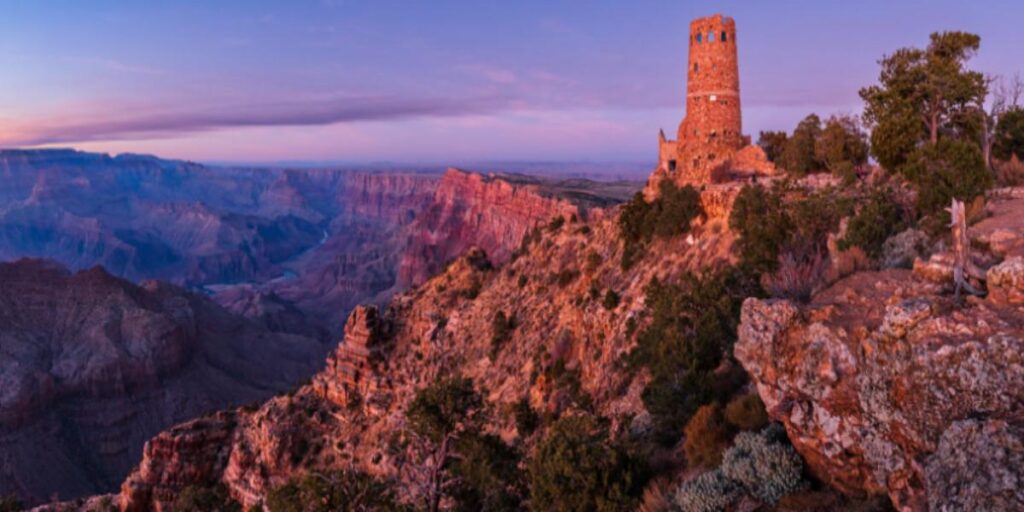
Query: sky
x,y
436,81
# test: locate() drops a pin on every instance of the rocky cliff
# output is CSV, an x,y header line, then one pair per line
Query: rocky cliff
x,y
887,385
472,210
352,412
91,366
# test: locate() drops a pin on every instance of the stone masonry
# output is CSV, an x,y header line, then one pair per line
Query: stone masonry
x,y
710,146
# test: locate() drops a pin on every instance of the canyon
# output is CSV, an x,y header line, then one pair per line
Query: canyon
x,y
170,289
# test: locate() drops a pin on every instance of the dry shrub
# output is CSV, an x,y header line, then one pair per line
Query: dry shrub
x,y
746,412
847,262
657,496
796,277
707,436
1010,173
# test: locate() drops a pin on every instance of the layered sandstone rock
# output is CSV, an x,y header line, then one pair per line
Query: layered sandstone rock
x,y
472,210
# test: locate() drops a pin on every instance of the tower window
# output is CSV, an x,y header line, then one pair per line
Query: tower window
x,y
723,36
671,165
695,67
711,37
698,37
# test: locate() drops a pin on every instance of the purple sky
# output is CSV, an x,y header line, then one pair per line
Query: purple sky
x,y
437,81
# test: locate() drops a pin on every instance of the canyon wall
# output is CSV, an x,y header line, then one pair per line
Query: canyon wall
x,y
92,366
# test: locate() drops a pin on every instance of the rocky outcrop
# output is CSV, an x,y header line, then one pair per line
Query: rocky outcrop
x,y
473,210
875,379
91,366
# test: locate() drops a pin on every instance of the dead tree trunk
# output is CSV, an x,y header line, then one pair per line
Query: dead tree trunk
x,y
963,267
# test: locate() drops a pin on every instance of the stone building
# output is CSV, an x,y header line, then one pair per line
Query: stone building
x,y
710,146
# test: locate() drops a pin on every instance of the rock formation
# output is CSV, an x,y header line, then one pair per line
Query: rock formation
x,y
887,385
472,210
91,366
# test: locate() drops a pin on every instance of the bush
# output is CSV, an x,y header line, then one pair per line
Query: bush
x,y
707,436
796,277
577,468
196,498
764,464
798,157
947,170
760,220
1009,135
501,331
527,420
10,504
773,144
709,492
566,277
878,219
668,215
611,300
746,412
657,496
693,324
486,475
522,281
334,491
444,407
556,223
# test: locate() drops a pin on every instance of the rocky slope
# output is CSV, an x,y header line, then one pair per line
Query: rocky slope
x,y
887,385
91,366
352,412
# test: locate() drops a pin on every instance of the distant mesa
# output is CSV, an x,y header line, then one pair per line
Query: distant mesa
x,y
710,146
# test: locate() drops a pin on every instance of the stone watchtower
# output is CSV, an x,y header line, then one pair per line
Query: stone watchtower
x,y
710,147
711,132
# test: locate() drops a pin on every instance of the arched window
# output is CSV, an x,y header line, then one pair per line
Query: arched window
x,y
711,37
723,36
698,37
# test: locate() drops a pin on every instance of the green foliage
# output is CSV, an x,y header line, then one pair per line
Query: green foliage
x,y
196,498
764,464
798,156
708,492
576,467
922,96
501,330
693,325
947,170
527,420
334,491
773,144
746,412
760,219
878,218
611,300
842,145
10,504
487,475
707,436
1009,135
668,215
769,226
445,407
